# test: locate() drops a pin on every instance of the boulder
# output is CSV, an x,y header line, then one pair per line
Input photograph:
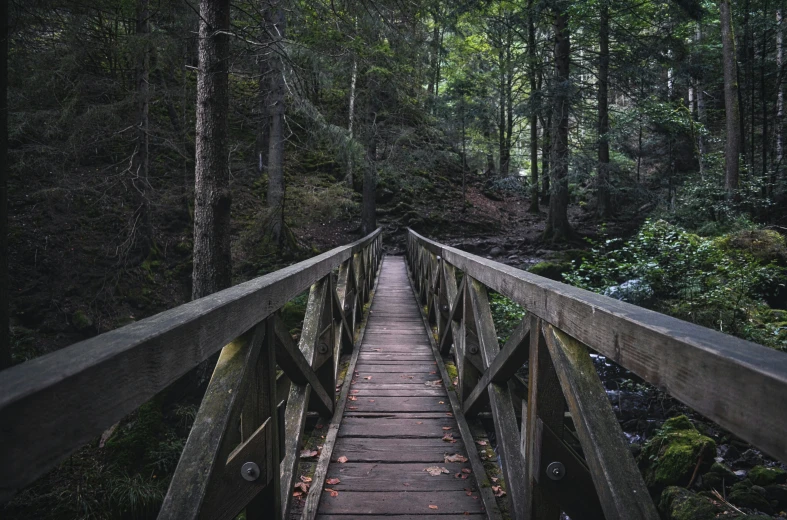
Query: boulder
x,y
670,457
679,503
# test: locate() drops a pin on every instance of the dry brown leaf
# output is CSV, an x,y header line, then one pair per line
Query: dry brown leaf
x,y
449,414
303,486
342,459
352,398
297,493
468,492
446,427
354,391
498,491
455,458
432,372
435,471
334,493
494,479
449,438
432,506
458,475
332,481
440,402
371,400
352,407
307,454
419,422
305,479
368,378
467,470
481,443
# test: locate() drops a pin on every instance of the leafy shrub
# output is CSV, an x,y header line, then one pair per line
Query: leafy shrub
x,y
695,278
506,315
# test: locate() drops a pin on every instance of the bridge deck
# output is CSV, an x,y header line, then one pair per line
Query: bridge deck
x,y
395,421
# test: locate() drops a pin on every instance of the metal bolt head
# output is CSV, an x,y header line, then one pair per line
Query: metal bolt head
x,y
556,470
444,307
322,348
473,349
250,471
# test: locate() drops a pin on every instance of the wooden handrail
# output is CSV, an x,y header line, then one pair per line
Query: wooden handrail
x,y
52,405
736,383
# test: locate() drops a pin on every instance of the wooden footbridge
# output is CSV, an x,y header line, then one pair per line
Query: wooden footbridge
x,y
399,442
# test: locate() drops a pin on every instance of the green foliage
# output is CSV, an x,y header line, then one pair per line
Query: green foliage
x,y
696,278
506,315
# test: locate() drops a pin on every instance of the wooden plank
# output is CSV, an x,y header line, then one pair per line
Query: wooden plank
x,y
388,427
619,484
397,477
500,401
395,450
504,365
230,492
405,517
298,401
294,364
369,368
201,455
376,357
405,391
52,405
401,503
400,404
545,406
418,378
735,383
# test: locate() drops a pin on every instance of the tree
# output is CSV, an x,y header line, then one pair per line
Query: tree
x,y
557,226
141,159
212,255
532,54
602,187
275,198
5,333
732,151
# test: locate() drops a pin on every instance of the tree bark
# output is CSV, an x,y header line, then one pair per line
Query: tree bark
x,y
557,226
779,103
731,106
212,259
351,119
140,163
700,108
602,188
532,57
5,332
263,128
369,205
275,200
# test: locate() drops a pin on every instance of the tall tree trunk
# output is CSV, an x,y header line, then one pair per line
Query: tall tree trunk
x,y
351,118
700,108
5,332
532,57
369,205
602,189
546,154
557,225
275,200
779,103
464,158
501,121
731,107
509,101
264,126
140,163
212,259
490,152
764,107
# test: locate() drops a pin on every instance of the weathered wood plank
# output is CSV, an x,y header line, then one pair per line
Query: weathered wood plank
x,y
401,428
402,502
405,517
418,378
736,383
368,368
397,477
200,457
400,404
394,450
405,391
294,364
504,365
619,484
52,405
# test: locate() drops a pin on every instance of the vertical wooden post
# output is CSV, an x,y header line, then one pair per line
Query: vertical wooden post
x,y
261,403
545,409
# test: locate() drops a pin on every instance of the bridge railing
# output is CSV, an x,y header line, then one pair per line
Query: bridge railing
x,y
244,447
738,384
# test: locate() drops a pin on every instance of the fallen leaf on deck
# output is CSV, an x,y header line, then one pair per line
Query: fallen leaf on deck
x,y
332,481
458,475
352,398
432,506
449,414
305,479
440,402
498,491
303,486
455,458
352,407
334,493
468,493
368,378
371,400
433,372
467,470
435,470
481,443
419,422
494,479
297,493
354,391
449,438
343,459
446,427
307,454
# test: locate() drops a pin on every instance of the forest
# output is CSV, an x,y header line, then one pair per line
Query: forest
x,y
159,151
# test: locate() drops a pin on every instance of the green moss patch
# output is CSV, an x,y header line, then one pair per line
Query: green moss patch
x,y
678,503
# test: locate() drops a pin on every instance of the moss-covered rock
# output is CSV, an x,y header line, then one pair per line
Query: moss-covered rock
x,y
670,457
762,476
752,498
718,476
82,321
677,503
551,270
765,245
